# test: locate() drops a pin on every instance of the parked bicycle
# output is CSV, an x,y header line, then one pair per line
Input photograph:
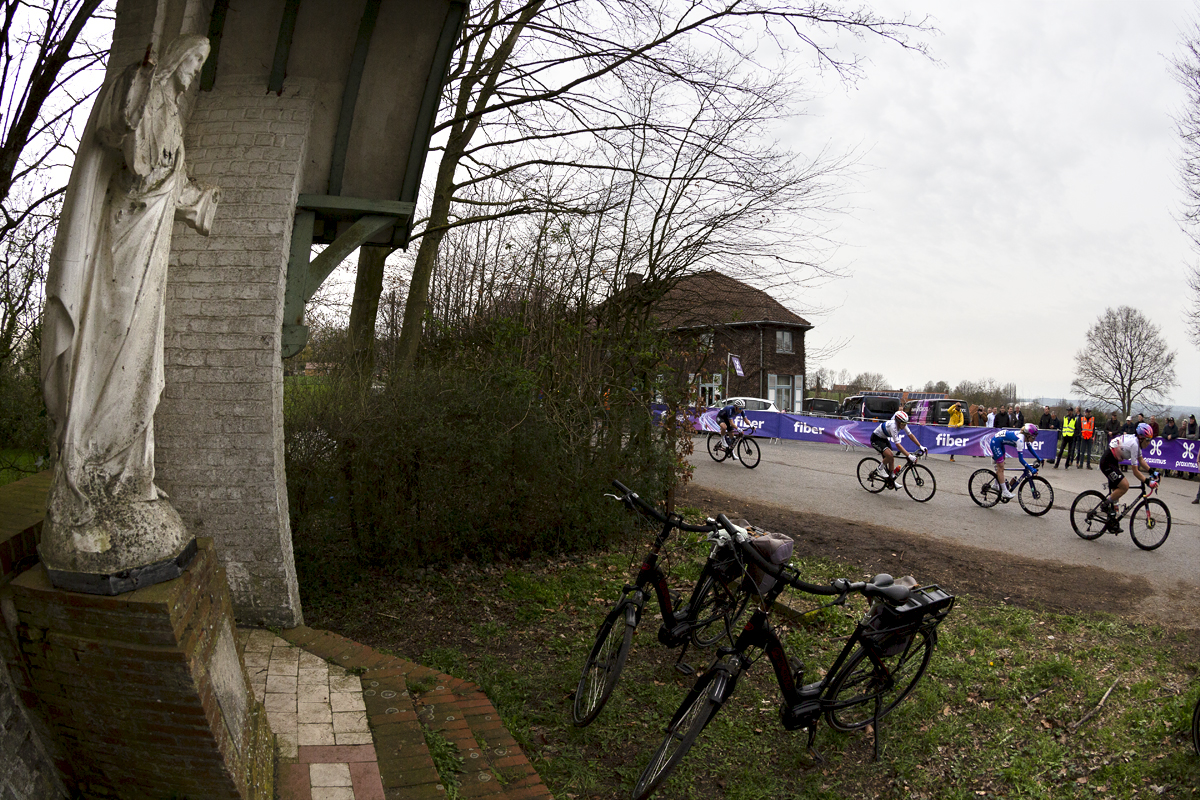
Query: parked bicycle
x,y
917,479
878,667
1196,727
744,447
1149,517
715,605
1034,493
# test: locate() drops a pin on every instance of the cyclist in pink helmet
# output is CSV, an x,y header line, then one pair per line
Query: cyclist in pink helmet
x,y
1017,440
1126,447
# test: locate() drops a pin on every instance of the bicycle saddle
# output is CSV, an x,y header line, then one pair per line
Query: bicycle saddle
x,y
883,585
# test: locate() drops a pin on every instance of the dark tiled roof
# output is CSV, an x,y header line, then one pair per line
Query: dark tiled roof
x,y
710,298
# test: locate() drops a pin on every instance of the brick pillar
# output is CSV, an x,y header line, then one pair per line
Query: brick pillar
x,y
219,426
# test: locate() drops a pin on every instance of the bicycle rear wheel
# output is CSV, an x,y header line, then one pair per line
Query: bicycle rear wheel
x,y
984,489
716,610
716,447
695,712
852,694
1087,518
748,452
1150,523
1036,495
603,666
919,483
868,477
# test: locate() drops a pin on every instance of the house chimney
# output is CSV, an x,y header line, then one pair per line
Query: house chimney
x,y
633,279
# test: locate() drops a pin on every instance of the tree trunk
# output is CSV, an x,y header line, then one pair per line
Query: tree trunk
x,y
368,286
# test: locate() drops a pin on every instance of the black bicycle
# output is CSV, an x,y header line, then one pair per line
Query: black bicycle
x,y
877,668
1034,492
715,605
917,478
744,447
1196,727
1149,518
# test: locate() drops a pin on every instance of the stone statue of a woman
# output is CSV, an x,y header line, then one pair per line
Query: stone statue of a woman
x,y
108,528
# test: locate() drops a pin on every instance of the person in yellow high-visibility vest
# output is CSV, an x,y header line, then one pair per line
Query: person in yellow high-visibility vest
x,y
1087,427
1067,442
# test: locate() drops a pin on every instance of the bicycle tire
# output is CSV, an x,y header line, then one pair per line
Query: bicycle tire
x,y
920,483
687,724
749,453
1087,520
868,477
721,606
984,488
1150,523
1196,728
716,447
858,684
603,666
1035,495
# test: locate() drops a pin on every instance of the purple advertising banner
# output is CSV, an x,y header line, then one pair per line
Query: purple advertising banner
x,y
1179,454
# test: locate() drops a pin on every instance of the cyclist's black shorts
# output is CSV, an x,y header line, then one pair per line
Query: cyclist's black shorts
x,y
880,443
1111,469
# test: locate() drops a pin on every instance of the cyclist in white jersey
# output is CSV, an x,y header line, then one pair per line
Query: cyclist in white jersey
x,y
891,433
1126,447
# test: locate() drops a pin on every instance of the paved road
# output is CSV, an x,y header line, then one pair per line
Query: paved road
x,y
820,478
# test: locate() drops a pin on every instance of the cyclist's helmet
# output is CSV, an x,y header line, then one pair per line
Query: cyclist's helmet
x,y
1029,429
1144,431
901,418
739,403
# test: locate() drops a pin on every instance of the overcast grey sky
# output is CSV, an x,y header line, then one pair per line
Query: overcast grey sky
x,y
1007,193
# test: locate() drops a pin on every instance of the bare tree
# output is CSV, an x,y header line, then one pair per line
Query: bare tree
x,y
1191,315
1187,126
1125,360
535,88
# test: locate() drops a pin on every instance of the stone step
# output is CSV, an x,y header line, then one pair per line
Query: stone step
x,y
493,763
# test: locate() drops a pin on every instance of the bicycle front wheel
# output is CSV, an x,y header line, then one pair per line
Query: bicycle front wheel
x,y
748,451
984,489
853,691
868,477
919,483
1087,518
697,709
1150,523
1036,495
715,609
1196,728
603,667
716,447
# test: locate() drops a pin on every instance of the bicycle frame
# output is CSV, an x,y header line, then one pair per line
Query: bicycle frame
x,y
1134,503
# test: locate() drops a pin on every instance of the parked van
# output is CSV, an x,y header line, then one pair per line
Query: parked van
x,y
933,412
820,407
869,406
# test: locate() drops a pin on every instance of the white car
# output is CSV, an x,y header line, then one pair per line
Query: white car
x,y
752,403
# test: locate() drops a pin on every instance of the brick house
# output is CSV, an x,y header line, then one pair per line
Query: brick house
x,y
713,315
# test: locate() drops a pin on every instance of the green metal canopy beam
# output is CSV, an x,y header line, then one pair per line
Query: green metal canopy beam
x,y
216,26
283,46
338,205
358,62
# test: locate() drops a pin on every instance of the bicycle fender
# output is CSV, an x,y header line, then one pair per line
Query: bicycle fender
x,y
633,610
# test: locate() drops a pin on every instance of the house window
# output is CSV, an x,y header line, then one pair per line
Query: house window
x,y
783,342
706,342
779,391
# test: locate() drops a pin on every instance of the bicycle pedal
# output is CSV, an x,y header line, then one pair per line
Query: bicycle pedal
x,y
685,669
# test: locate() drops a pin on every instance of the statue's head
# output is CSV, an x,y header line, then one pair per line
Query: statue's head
x,y
183,60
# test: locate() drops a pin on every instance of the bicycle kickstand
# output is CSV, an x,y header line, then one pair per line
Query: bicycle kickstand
x,y
682,668
812,751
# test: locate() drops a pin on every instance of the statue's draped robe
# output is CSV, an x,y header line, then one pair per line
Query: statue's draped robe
x,y
102,347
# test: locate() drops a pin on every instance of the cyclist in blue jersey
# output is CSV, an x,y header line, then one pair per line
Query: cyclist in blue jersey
x,y
891,433
1013,438
725,419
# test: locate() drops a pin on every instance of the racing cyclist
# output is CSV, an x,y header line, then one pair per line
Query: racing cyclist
x,y
1012,436
891,433
725,419
1127,446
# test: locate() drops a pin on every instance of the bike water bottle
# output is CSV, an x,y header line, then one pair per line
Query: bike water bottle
x,y
898,468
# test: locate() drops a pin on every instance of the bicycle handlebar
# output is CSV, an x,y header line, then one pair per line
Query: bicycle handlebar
x,y
631,499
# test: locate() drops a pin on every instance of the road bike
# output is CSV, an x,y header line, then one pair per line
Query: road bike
x,y
747,450
1034,492
917,479
715,605
1149,518
878,667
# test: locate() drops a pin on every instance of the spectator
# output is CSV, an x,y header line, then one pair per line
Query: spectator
x,y
1130,426
1112,426
956,420
1154,425
1190,430
1087,428
1002,418
991,418
1016,416
1055,422
1044,422
1170,433
1067,443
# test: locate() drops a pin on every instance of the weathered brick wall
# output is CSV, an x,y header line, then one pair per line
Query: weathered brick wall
x,y
219,427
26,770
751,349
